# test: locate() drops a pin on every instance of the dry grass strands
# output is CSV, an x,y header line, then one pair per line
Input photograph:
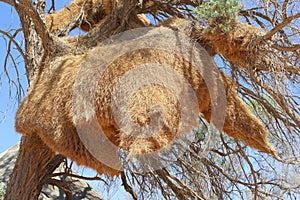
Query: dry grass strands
x,y
237,47
86,15
48,108
241,124
240,45
83,13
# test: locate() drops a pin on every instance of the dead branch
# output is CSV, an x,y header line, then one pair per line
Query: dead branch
x,y
39,25
127,187
280,26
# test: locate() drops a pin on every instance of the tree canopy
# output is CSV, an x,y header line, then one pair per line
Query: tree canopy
x,y
255,45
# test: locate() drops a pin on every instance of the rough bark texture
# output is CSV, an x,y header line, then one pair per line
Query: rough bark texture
x,y
34,162
79,189
48,41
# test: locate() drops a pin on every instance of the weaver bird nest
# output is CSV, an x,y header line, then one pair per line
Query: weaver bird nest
x,y
136,91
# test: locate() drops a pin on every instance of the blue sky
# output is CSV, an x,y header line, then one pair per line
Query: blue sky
x,y
8,106
8,135
9,20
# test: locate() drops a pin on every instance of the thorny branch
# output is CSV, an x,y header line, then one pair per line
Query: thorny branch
x,y
269,85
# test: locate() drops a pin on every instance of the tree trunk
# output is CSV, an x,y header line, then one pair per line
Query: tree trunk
x,y
35,161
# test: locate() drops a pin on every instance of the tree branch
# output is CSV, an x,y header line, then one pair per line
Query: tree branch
x,y
10,2
127,187
40,26
11,38
278,27
63,185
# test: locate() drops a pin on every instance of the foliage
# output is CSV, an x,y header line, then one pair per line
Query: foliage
x,y
2,191
218,14
261,57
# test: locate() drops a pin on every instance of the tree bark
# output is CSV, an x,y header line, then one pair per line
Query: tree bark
x,y
35,161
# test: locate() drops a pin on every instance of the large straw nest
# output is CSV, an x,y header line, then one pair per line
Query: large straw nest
x,y
48,107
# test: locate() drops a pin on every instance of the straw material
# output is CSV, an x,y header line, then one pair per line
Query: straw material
x,y
86,14
48,108
238,46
